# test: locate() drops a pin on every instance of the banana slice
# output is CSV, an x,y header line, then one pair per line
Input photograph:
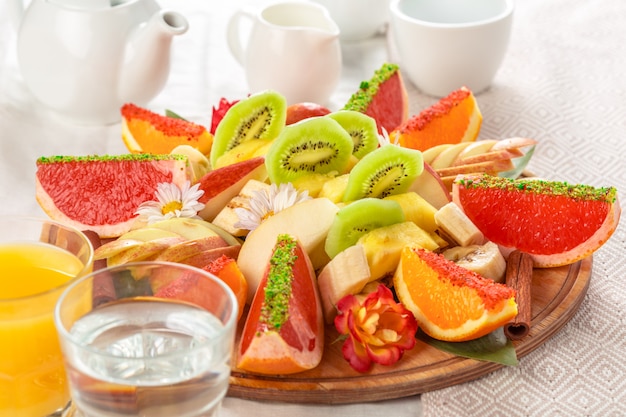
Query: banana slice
x,y
486,260
199,163
455,223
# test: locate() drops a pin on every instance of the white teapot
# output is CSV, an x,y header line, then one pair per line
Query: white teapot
x,y
84,59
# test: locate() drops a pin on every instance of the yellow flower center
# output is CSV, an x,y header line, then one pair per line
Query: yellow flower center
x,y
172,206
267,215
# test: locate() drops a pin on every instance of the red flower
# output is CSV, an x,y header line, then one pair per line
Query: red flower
x,y
219,112
379,330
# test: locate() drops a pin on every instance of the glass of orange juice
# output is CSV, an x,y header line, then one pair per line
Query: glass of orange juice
x,y
38,260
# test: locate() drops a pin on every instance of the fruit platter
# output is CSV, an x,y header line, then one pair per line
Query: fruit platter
x,y
374,254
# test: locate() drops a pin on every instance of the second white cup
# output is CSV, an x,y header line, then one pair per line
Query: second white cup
x,y
446,44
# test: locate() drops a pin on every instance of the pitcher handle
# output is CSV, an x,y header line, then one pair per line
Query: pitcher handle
x,y
233,33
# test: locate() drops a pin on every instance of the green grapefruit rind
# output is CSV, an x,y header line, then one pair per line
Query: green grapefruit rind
x,y
573,194
379,97
102,193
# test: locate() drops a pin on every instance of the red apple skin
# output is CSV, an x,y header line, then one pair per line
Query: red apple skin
x,y
301,111
222,184
204,258
178,252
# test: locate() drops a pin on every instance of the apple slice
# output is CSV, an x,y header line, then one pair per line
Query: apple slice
x,y
308,221
222,184
430,154
492,155
144,251
478,147
301,111
186,286
190,229
488,166
513,143
448,156
114,247
182,250
227,218
204,258
431,188
146,234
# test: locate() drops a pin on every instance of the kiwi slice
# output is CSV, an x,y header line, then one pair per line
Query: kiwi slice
x,y
259,116
358,218
388,170
317,145
361,127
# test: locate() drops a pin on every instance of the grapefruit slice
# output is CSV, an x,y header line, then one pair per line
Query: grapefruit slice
x,y
284,330
448,301
144,131
383,97
555,222
101,193
453,119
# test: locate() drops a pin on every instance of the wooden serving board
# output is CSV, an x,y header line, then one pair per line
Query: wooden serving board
x,y
556,296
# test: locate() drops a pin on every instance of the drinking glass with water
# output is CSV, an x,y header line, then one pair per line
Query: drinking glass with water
x,y
148,338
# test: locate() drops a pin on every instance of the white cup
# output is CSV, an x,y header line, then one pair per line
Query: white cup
x,y
358,19
446,44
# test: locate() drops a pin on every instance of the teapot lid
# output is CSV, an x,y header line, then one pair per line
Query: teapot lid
x,y
84,4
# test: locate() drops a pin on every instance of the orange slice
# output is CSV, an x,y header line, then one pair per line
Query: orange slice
x,y
226,269
450,302
144,131
453,119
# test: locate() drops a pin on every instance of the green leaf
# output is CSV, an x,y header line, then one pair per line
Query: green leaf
x,y
170,113
494,347
519,163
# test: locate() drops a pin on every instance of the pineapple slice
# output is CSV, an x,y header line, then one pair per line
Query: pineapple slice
x,y
384,245
416,209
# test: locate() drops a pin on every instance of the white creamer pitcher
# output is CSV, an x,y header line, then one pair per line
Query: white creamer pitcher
x,y
292,48
83,59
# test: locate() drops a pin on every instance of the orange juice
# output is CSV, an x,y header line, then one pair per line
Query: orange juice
x,y
32,376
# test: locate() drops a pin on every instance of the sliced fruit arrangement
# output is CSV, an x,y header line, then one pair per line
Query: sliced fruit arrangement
x,y
557,223
450,302
318,145
284,330
184,240
453,119
299,207
506,157
101,193
383,97
255,120
144,131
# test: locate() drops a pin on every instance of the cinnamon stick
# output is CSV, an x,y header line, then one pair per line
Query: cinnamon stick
x,y
519,276
103,288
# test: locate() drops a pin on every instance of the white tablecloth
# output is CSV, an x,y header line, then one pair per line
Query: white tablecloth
x,y
562,83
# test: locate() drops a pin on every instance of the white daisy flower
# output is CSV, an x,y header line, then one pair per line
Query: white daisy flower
x,y
265,203
384,139
172,202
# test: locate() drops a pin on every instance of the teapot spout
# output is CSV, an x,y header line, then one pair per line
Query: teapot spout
x,y
146,63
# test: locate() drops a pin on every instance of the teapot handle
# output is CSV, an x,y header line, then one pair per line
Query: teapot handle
x,y
16,11
233,34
